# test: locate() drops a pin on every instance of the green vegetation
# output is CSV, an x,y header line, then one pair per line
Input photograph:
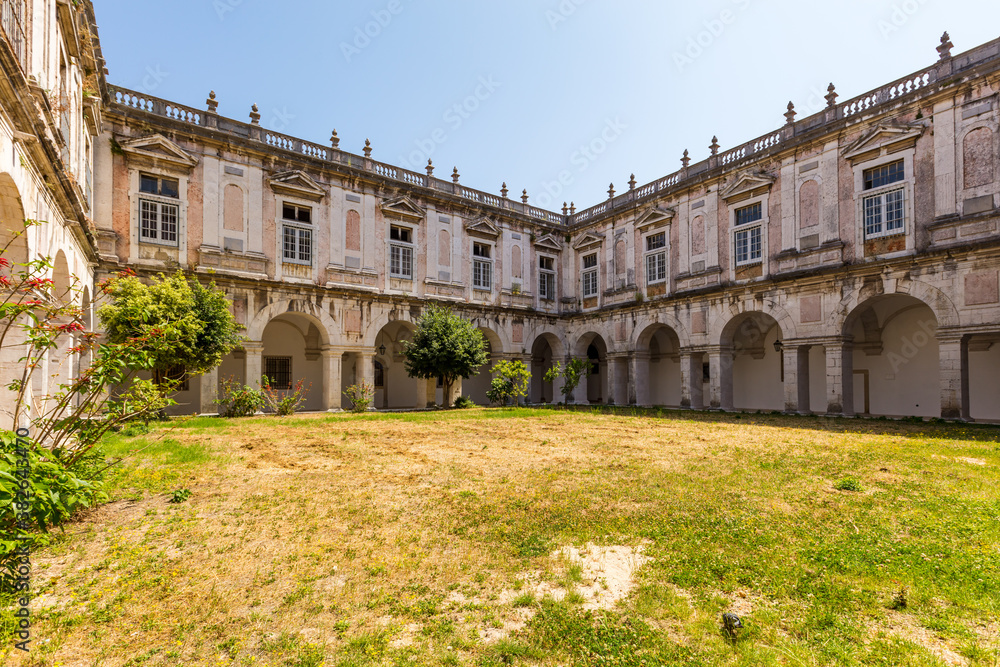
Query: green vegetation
x,y
444,345
391,539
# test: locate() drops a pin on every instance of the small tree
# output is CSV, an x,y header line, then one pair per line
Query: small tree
x,y
445,345
193,319
572,373
510,382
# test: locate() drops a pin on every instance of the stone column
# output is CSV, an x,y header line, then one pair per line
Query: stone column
x,y
796,361
720,359
954,374
331,379
640,378
692,381
209,388
366,368
839,377
254,363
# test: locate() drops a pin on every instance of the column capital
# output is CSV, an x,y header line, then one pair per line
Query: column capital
x,y
254,347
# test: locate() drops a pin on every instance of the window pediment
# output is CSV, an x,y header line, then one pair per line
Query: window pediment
x,y
158,151
747,185
403,208
483,226
549,242
655,217
296,184
587,240
889,138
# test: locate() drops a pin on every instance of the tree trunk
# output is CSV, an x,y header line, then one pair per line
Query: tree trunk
x,y
447,392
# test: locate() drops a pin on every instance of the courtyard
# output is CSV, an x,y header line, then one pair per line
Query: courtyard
x,y
531,537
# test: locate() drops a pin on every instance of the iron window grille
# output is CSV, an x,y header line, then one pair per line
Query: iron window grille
x,y
12,21
279,372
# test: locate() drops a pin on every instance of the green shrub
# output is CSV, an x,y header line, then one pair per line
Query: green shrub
x,y
284,402
360,396
463,402
238,400
848,484
180,495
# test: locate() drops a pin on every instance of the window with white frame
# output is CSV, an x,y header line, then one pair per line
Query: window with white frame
x,y
656,258
883,206
401,252
296,234
747,232
159,209
590,277
482,266
547,278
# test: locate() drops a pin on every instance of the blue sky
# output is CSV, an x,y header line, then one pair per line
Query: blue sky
x,y
559,97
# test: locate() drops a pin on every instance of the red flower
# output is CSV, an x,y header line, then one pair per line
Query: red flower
x,y
4,262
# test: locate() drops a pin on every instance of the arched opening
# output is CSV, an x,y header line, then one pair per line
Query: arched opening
x,y
896,366
477,385
594,386
754,377
984,377
14,248
398,390
545,351
292,353
658,356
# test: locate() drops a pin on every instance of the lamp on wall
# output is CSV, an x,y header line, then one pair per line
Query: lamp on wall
x,y
778,346
381,349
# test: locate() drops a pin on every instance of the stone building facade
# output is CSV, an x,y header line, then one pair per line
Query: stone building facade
x,y
846,263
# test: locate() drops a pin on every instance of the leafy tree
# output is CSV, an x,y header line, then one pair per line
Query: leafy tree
x,y
193,319
510,381
445,345
572,373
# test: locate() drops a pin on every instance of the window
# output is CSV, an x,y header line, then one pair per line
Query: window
x,y
656,258
179,375
279,372
748,234
401,252
547,278
379,375
296,241
884,212
590,275
482,267
158,210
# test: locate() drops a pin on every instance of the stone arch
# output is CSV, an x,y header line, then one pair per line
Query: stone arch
x,y
291,346
978,157
752,364
325,324
941,304
809,204
62,280
546,349
648,329
476,386
12,221
379,322
594,388
722,323
658,366
398,390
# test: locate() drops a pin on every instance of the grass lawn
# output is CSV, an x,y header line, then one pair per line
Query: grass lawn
x,y
534,537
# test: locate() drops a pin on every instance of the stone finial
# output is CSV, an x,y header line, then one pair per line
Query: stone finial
x,y
368,148
611,191
565,209
572,208
334,140
790,114
430,168
504,190
632,183
524,196
945,49
685,159
254,115
455,175
213,104
715,146
831,96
